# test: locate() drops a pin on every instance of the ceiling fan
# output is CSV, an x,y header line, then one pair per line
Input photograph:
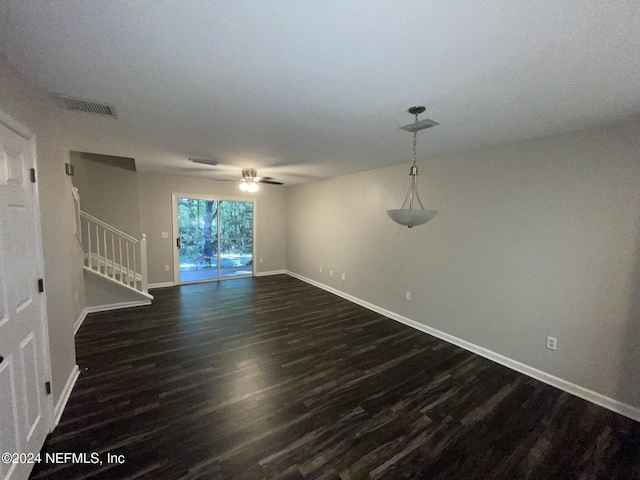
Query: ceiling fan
x,y
250,179
250,176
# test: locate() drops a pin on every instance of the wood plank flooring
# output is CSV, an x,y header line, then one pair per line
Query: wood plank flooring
x,y
271,378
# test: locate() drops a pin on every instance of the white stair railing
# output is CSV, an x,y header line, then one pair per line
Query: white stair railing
x,y
114,254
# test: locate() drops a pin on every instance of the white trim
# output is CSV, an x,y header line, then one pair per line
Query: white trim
x,y
79,320
273,272
161,285
43,296
15,126
254,236
117,306
175,254
572,388
64,396
80,249
77,216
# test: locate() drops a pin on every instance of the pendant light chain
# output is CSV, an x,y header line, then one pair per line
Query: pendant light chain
x,y
415,136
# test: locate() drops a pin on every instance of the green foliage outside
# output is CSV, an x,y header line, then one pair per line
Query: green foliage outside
x,y
198,220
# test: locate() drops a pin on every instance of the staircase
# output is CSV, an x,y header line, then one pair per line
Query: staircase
x,y
114,255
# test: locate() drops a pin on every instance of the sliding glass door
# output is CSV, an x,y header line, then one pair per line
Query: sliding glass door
x,y
236,238
214,238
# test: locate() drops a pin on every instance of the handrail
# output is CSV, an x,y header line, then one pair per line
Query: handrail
x,y
109,227
77,218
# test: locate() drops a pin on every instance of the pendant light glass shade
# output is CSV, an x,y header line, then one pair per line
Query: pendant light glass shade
x,y
411,218
407,215
249,187
412,213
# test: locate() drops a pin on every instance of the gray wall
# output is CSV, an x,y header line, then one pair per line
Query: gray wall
x,y
102,293
156,217
532,239
108,192
62,258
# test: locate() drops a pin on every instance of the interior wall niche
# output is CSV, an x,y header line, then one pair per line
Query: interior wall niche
x,y
108,187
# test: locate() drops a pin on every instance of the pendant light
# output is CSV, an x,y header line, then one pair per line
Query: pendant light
x,y
412,213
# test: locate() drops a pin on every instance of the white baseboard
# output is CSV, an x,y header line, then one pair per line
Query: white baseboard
x,y
117,306
161,285
569,387
79,320
273,272
105,308
64,396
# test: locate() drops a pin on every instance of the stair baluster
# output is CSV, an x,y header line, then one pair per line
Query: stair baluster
x,y
128,267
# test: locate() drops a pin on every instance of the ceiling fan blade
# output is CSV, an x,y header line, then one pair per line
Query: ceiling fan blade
x,y
203,171
227,179
204,161
248,174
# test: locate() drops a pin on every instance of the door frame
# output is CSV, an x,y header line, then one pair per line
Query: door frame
x,y
21,130
218,198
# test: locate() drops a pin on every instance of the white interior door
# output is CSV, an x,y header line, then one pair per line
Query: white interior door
x,y
24,419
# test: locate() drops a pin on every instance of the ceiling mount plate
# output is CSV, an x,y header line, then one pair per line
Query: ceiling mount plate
x,y
416,110
421,125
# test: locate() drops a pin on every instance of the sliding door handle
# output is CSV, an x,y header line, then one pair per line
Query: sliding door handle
x,y
178,243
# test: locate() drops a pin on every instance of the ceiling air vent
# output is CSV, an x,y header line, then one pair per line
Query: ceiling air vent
x,y
87,106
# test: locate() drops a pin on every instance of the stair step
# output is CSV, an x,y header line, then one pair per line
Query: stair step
x,y
135,285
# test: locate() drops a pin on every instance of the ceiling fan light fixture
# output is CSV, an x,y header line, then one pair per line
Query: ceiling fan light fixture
x,y
412,213
247,183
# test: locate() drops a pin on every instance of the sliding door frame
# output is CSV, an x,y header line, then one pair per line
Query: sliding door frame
x,y
176,232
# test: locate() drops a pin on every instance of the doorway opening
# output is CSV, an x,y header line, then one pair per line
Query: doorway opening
x,y
214,238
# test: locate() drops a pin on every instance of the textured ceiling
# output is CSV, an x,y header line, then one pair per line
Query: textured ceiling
x,y
312,89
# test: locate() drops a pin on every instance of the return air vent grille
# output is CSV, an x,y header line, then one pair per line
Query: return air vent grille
x,y
87,106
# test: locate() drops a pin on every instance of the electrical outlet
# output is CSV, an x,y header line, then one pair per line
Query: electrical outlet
x,y
552,343
320,269
165,234
331,272
166,268
261,260
407,295
344,276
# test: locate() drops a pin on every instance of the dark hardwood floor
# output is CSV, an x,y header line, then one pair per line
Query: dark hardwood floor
x,y
263,378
